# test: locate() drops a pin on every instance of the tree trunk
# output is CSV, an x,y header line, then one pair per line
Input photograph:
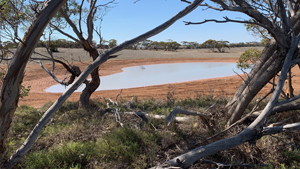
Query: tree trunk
x,y
267,52
254,83
28,143
12,82
84,101
253,132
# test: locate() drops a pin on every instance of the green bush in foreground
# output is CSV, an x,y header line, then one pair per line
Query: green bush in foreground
x,y
124,144
77,138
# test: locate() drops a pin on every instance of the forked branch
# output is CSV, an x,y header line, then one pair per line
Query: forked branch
x,y
100,60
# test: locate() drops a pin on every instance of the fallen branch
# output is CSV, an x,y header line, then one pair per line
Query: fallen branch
x,y
280,129
254,131
242,119
180,111
145,116
280,123
281,108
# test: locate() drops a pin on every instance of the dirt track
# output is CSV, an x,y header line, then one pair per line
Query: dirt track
x,y
39,80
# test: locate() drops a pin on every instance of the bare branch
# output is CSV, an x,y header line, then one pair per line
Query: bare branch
x,y
251,133
280,123
280,129
100,60
73,26
180,111
90,23
80,13
64,33
242,119
288,100
225,21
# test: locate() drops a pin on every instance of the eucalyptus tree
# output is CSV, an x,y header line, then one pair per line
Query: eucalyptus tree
x,y
15,73
10,92
75,15
281,19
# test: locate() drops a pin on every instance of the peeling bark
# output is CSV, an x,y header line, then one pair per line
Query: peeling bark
x,y
100,60
15,73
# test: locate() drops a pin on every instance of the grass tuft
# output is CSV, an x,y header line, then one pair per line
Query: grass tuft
x,y
79,138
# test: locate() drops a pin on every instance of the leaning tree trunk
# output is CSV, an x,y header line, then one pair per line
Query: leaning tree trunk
x,y
91,86
268,66
28,143
268,51
12,82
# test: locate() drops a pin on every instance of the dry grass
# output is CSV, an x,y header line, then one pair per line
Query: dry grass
x,y
93,139
88,139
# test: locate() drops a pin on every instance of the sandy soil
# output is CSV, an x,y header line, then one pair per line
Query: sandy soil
x,y
39,80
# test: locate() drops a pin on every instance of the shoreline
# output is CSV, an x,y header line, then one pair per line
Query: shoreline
x,y
37,97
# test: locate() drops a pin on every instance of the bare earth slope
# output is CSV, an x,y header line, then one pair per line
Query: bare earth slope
x,y
39,80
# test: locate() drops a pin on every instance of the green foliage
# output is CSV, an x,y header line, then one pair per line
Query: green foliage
x,y
146,44
124,144
264,41
190,45
127,144
76,138
167,46
60,43
67,155
209,44
68,106
219,45
257,31
293,158
112,43
25,118
248,58
145,105
9,45
24,91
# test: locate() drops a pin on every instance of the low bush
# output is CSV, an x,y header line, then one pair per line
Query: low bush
x,y
78,138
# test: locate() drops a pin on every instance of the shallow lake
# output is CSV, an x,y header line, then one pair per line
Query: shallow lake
x,y
148,75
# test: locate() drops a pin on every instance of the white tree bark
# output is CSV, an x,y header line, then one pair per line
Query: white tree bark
x,y
100,60
14,76
253,131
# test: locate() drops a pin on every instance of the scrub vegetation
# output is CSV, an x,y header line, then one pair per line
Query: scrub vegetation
x,y
79,138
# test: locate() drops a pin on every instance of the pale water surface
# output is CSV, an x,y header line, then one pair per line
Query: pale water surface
x,y
148,75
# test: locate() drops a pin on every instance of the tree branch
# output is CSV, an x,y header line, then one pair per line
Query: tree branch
x,y
100,60
66,34
280,129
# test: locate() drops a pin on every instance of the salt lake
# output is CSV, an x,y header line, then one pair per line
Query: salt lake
x,y
149,75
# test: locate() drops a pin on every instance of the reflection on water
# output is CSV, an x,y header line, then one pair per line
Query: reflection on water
x,y
148,75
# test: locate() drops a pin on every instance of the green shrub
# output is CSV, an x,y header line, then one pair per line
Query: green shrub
x,y
132,147
127,144
62,156
249,57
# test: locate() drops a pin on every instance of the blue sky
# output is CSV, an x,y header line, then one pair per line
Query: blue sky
x,y
128,20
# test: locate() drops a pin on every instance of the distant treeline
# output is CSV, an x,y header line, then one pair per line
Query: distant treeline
x,y
213,45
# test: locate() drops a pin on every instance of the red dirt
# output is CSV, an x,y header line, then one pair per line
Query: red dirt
x,y
39,80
